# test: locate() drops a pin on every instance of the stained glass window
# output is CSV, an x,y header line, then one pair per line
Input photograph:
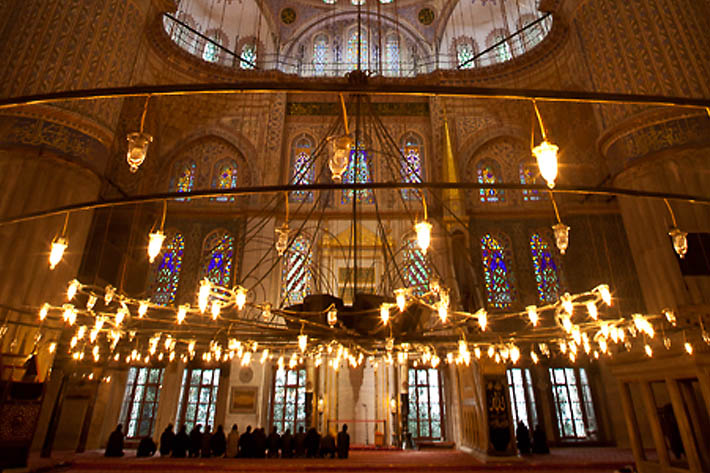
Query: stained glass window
x,y
225,177
358,171
209,54
489,173
465,54
392,56
217,257
411,166
546,272
416,272
351,59
296,273
184,177
575,414
247,57
320,54
502,51
528,175
288,406
522,397
198,397
167,271
140,401
425,413
497,272
304,171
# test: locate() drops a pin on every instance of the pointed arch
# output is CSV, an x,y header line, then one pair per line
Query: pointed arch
x,y
498,270
217,257
166,273
224,176
296,273
303,169
488,172
411,165
547,272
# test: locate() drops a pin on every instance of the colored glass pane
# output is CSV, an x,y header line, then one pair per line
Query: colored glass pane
x,y
358,171
351,52
411,167
247,58
487,174
209,54
416,273
167,271
296,273
502,51
464,55
184,178
217,257
528,175
546,272
225,177
304,171
392,56
497,272
320,54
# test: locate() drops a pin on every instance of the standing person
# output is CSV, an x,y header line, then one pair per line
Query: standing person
x,y
195,441
522,435
233,442
147,447
299,443
181,443
287,444
114,447
246,444
218,442
343,442
167,440
273,443
205,448
259,443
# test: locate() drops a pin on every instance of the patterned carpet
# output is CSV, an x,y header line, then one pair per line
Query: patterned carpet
x,y
571,460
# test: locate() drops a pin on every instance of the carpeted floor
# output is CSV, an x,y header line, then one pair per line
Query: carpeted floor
x,y
588,460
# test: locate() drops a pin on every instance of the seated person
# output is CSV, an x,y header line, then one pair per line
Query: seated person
x,y
147,447
114,448
327,445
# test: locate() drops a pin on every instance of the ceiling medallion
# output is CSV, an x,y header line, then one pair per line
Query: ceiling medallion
x,y
426,16
288,15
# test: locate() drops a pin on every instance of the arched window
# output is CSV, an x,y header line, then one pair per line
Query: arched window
x,y
533,35
184,177
217,258
247,56
303,169
489,173
351,58
546,270
411,165
528,175
392,56
502,51
416,273
465,53
497,271
167,271
224,176
296,273
211,53
358,171
320,54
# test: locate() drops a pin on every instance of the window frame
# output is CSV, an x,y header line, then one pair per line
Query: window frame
x,y
584,397
529,397
130,400
184,399
296,421
442,403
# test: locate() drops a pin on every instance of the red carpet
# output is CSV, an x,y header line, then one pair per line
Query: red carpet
x,y
587,460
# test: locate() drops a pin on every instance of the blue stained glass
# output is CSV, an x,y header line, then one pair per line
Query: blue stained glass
x,y
528,175
416,274
351,51
392,56
358,171
167,271
304,171
217,257
296,274
225,177
487,175
411,168
320,54
497,273
546,272
247,58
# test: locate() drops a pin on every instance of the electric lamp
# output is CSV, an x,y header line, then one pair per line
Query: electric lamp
x,y
57,251
137,149
181,314
109,292
603,345
400,296
74,341
546,155
384,313
670,316
592,310
649,350
81,332
241,297
282,238
491,351
667,343
52,347
443,311
332,316
203,296
43,311
435,360
477,353
567,305
482,316
534,357
121,314
532,315
423,230
514,354
561,232
339,156
69,314
680,241
74,286
302,342
604,293
91,302
155,243
563,347
246,359
688,348
142,309
216,309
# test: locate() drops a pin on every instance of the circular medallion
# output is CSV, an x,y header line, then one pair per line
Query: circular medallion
x,y
246,374
288,15
426,16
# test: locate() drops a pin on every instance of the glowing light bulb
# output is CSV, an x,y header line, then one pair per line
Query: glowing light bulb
x,y
532,314
264,356
423,230
680,241
91,302
604,293
514,354
688,348
567,305
603,345
81,332
482,316
52,347
282,234
216,309
137,149
435,360
670,316
181,314
563,347
400,296
491,351
121,314
191,346
57,251
241,297
171,356
74,286
246,359
109,293
99,323
339,156
203,295
477,352
302,342
561,232
649,350
592,310
385,313
69,314
332,316
546,155
577,335
74,341
43,311
443,311
534,357
605,330
155,243
142,309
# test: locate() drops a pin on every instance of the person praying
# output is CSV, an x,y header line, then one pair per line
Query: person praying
x,y
287,444
233,442
343,442
273,443
195,441
167,441
114,447
181,443
218,442
246,444
147,447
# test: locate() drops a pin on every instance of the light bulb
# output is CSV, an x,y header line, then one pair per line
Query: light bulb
x,y
216,308
477,352
561,232
142,309
191,346
181,314
546,155
52,347
302,342
423,230
463,347
435,360
246,359
241,297
592,310
282,239
121,314
491,351
385,313
443,311
155,243
43,311
74,341
532,315
264,356
567,305
57,251
332,316
605,330
534,357
577,335
688,348
81,332
603,345
482,316
69,314
203,295
91,302
109,293
339,156
649,350
563,347
514,354
74,286
680,241
670,316
137,149
400,296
